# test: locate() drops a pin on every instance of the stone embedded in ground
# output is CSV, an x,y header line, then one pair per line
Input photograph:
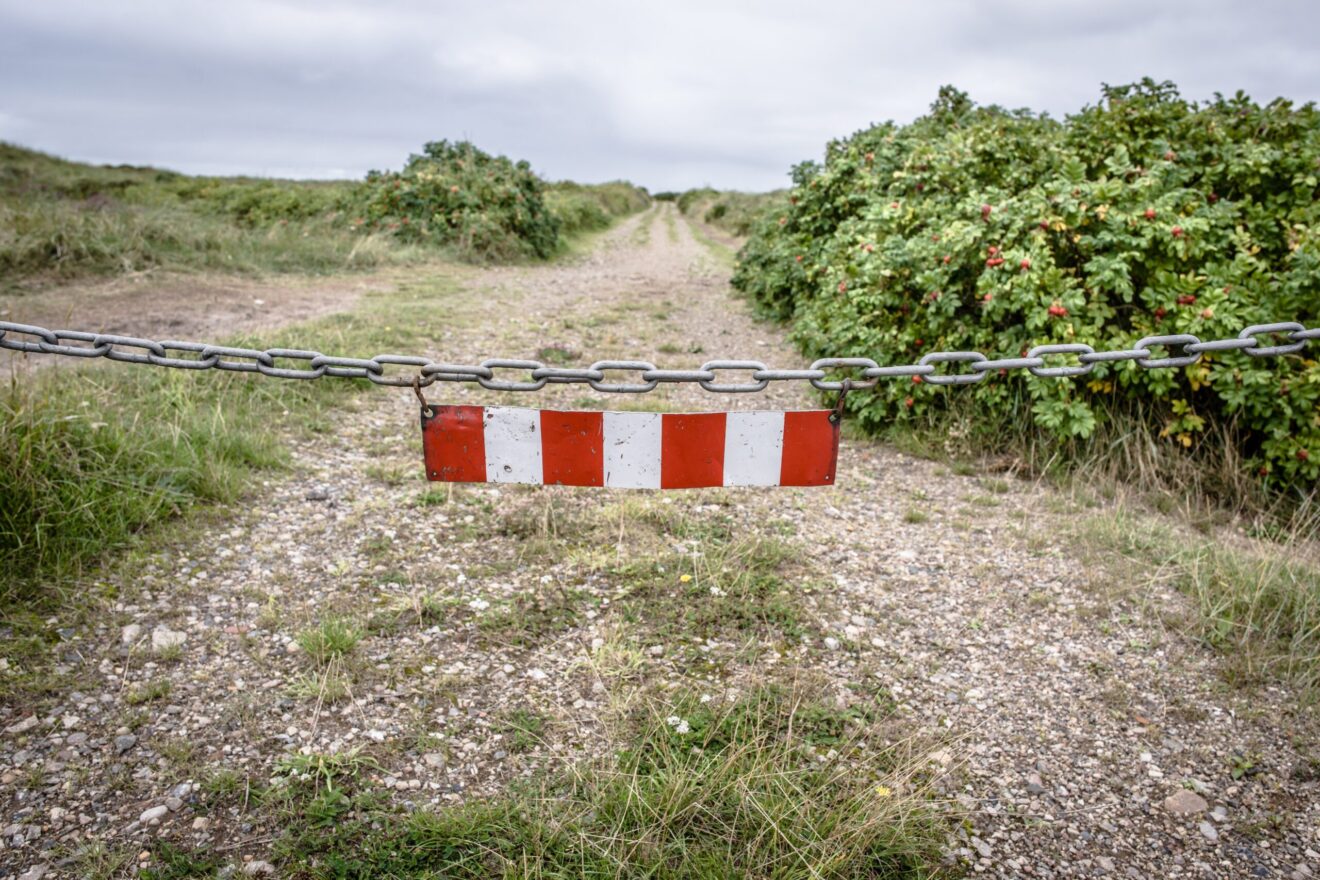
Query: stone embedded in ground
x,y
258,867
1185,802
131,633
1034,784
23,726
163,638
153,815
1208,831
125,742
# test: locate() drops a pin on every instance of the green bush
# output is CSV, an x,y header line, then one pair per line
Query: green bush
x,y
486,208
977,228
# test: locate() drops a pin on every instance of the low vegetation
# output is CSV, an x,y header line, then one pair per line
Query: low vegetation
x,y
781,783
1256,601
982,229
734,212
83,473
61,219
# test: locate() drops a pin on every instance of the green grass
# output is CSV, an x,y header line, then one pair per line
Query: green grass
x,y
782,783
61,220
330,639
583,208
1257,602
528,618
522,728
156,689
733,212
92,456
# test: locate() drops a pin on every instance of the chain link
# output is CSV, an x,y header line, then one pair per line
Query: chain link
x,y
858,373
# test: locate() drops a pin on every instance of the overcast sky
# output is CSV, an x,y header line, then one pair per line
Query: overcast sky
x,y
669,94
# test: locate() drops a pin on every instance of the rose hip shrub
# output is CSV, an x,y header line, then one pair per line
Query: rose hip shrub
x,y
486,208
976,228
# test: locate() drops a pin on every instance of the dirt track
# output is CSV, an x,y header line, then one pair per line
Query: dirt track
x,y
1058,710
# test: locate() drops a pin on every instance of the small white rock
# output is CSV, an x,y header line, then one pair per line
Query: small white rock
x,y
23,726
131,633
153,815
164,638
537,674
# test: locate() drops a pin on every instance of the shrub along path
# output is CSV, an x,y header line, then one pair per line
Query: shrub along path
x,y
271,678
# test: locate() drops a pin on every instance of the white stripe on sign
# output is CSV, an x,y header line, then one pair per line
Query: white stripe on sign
x,y
753,448
632,450
513,445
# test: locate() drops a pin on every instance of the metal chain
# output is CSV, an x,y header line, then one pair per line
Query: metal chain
x,y
866,372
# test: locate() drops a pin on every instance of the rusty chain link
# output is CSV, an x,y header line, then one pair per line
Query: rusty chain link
x,y
865,373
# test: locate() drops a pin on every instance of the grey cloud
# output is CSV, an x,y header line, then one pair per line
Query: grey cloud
x,y
670,95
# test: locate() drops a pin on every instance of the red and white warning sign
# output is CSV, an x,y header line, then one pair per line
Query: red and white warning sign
x,y
628,450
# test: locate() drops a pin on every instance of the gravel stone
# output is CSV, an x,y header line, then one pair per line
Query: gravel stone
x,y
153,815
23,726
164,638
1010,656
1185,802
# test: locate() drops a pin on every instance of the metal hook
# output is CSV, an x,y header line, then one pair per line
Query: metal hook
x,y
837,415
417,389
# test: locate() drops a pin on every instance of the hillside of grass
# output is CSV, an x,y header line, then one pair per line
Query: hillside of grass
x,y
61,220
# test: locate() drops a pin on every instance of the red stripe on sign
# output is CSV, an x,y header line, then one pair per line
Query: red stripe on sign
x,y
572,448
691,450
811,449
454,444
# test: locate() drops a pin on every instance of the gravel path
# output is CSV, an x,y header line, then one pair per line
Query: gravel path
x,y
1079,732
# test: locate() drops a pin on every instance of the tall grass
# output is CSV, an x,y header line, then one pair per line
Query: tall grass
x,y
88,459
55,240
60,220
91,456
782,783
1257,602
1206,479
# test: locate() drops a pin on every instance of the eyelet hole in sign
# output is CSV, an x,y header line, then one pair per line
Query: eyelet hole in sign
x,y
629,450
